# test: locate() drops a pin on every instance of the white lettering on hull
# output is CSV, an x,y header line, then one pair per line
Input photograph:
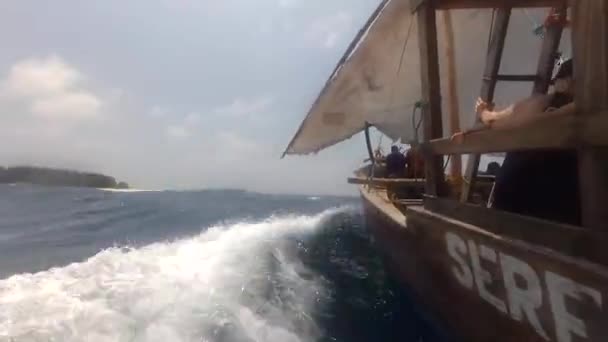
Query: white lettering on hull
x,y
522,300
523,288
456,248
567,324
482,276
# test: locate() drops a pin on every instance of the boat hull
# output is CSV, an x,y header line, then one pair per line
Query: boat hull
x,y
484,287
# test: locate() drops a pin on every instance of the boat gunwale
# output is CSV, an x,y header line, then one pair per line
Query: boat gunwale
x,y
389,210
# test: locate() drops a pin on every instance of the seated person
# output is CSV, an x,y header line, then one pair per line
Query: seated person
x,y
395,163
493,169
539,183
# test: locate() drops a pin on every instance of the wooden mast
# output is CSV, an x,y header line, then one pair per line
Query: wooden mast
x,y
494,57
452,87
590,41
431,94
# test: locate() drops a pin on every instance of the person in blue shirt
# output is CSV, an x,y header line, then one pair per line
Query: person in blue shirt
x,y
395,163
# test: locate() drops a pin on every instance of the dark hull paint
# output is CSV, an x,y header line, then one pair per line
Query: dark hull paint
x,y
417,256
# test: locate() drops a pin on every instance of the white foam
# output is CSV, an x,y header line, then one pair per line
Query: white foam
x,y
231,283
128,190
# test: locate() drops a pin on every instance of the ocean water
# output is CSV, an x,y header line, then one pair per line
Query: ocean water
x,y
95,265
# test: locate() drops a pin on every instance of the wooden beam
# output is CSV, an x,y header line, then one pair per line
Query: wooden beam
x,y
554,133
431,94
415,4
493,59
454,4
548,54
560,132
570,240
386,181
590,29
452,89
517,78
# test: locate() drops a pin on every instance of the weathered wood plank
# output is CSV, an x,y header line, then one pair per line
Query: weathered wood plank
x,y
431,94
569,240
558,132
454,4
517,78
493,278
386,181
452,89
493,59
487,287
590,39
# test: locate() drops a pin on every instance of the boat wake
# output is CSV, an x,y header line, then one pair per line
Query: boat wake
x,y
237,282
127,190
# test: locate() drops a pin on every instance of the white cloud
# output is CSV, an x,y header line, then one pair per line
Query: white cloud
x,y
177,132
192,118
236,145
32,77
288,3
67,105
327,31
157,112
245,107
51,89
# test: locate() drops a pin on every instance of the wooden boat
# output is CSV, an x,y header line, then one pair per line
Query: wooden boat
x,y
485,275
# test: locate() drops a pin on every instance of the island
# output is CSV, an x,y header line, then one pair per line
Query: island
x,y
57,177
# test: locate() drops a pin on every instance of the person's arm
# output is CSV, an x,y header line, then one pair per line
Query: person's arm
x,y
523,120
518,114
515,115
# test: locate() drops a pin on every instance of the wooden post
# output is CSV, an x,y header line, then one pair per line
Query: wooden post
x,y
431,94
590,42
548,52
452,79
493,59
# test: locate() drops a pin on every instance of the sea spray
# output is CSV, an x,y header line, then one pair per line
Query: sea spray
x,y
237,282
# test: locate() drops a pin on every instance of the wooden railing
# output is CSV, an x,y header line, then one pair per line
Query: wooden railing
x,y
570,240
386,181
559,132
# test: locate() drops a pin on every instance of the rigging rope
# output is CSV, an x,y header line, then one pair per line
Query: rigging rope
x,y
416,126
407,39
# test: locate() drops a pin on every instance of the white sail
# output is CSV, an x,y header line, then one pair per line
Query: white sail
x,y
378,79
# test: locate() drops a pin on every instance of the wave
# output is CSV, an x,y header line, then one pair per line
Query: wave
x,y
233,282
128,190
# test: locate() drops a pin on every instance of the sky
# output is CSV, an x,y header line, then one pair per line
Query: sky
x,y
185,94
175,94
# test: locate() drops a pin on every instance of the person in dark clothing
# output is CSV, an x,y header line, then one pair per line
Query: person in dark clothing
x,y
414,164
395,163
538,183
493,169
